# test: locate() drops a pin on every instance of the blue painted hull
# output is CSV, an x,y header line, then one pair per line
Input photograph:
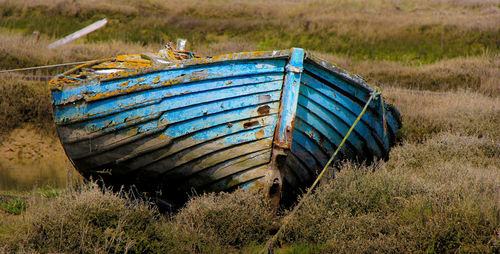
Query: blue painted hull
x,y
215,124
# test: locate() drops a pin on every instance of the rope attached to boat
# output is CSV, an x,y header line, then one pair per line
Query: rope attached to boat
x,y
376,92
45,66
170,53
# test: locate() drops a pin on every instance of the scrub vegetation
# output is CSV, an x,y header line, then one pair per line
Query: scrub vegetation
x,y
437,61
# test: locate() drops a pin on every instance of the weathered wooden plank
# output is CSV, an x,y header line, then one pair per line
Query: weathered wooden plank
x,y
94,90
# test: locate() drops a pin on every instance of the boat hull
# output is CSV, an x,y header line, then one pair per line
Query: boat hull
x,y
216,124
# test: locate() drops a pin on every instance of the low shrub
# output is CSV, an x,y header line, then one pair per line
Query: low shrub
x,y
435,196
94,220
237,219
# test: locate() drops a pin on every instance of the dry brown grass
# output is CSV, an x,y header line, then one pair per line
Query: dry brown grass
x,y
100,221
23,101
226,45
368,14
478,74
461,113
408,205
409,30
237,219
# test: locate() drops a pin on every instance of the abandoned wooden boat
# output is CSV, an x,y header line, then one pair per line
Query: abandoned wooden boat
x,y
172,122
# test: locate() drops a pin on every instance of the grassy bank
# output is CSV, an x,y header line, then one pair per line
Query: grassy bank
x,y
437,61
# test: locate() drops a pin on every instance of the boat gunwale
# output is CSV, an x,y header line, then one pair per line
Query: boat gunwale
x,y
247,55
352,79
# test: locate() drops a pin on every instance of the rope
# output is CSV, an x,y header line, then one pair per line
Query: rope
x,y
33,77
384,122
171,53
45,66
286,220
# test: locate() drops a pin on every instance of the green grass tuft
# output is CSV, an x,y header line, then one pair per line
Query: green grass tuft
x,y
14,206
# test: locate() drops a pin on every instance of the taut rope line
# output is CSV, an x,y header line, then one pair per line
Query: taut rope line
x,y
45,66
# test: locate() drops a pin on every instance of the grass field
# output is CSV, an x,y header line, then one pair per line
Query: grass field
x,y
437,60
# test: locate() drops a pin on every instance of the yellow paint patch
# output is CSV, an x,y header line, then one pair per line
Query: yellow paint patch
x,y
259,134
157,79
124,84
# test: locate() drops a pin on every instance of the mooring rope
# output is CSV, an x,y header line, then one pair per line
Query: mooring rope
x,y
170,53
45,66
376,92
